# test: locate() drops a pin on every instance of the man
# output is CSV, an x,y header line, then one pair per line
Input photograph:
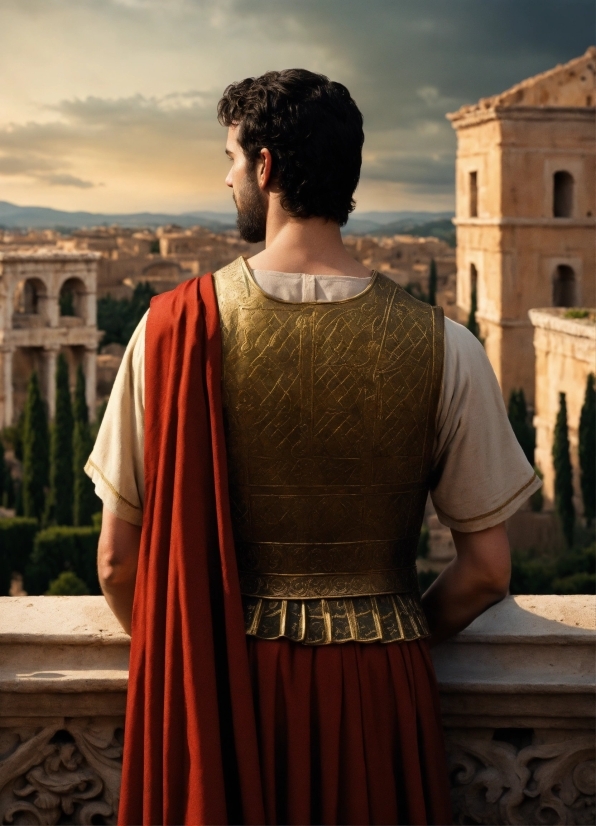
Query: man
x,y
264,464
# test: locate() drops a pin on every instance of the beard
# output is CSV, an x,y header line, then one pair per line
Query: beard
x,y
252,211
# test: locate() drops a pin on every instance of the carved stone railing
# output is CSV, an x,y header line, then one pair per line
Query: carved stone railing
x,y
517,692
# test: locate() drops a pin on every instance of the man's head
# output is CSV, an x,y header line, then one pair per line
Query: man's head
x,y
308,131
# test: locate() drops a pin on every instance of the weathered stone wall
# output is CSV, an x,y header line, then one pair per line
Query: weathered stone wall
x,y
565,355
516,691
32,330
514,241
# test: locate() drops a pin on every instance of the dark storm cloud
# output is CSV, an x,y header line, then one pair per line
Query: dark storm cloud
x,y
411,61
406,62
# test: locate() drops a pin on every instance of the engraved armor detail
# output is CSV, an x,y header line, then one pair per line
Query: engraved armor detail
x,y
330,414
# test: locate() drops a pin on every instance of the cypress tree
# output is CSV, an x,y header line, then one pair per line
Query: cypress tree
x,y
432,282
472,324
520,424
60,499
3,476
85,500
563,472
587,450
35,451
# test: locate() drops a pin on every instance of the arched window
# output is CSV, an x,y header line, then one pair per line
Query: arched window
x,y
562,194
29,297
564,287
72,298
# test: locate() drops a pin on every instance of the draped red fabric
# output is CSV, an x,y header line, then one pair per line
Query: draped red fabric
x,y
350,733
190,753
224,730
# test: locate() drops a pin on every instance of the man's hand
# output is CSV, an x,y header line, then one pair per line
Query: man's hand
x,y
117,557
476,579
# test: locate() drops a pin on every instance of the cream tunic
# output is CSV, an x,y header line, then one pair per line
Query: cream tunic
x,y
480,477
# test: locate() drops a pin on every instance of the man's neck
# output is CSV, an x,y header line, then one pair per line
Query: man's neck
x,y
310,245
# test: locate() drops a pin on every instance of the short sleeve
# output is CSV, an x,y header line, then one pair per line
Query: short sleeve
x,y
116,464
481,475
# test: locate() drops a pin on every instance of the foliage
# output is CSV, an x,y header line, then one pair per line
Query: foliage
x,y
86,502
59,549
537,498
99,414
4,472
563,472
154,248
68,584
66,301
426,579
35,451
13,436
472,324
118,318
587,450
521,425
570,572
59,502
432,282
423,542
416,291
575,313
16,544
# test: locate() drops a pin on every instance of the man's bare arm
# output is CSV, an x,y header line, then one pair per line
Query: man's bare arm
x,y
476,579
117,558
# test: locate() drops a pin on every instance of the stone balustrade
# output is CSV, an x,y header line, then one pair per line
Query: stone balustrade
x,y
517,691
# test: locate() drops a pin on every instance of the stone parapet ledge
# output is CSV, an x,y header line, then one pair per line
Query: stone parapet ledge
x,y
517,693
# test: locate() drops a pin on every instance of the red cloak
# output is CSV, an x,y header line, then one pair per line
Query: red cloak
x,y
190,753
224,730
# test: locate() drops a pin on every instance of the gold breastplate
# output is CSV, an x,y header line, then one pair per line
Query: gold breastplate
x,y
330,413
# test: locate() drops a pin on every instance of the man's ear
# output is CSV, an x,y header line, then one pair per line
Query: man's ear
x,y
264,167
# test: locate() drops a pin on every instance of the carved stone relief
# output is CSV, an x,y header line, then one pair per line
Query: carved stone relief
x,y
67,771
495,783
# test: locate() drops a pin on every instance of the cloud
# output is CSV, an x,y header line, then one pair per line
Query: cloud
x,y
124,91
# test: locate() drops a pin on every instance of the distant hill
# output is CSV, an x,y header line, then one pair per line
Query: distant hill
x,y
441,228
390,223
362,223
32,217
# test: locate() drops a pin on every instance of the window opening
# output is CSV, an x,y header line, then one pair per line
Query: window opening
x,y
564,287
473,194
562,194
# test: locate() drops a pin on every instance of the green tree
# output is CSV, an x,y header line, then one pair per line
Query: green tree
x,y
563,472
587,450
85,500
3,475
35,451
68,584
520,424
118,318
60,498
432,282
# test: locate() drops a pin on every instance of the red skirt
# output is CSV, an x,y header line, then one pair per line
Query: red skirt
x,y
350,733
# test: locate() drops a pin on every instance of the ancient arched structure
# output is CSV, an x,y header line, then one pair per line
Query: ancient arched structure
x,y
35,287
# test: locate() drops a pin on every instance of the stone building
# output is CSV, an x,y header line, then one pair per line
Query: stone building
x,y
525,209
565,356
47,306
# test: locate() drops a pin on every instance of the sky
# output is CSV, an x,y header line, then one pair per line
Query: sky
x,y
109,105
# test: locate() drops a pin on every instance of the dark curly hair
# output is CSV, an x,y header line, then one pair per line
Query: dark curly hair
x,y
312,128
